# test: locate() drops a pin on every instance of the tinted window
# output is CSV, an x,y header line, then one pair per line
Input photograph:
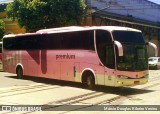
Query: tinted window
x,y
52,41
74,40
23,42
128,37
78,40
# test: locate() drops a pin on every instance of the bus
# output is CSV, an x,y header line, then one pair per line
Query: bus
x,y
98,55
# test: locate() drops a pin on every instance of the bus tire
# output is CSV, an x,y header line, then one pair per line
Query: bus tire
x,y
88,80
19,72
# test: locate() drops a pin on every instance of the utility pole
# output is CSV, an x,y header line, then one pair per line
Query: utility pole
x,y
88,17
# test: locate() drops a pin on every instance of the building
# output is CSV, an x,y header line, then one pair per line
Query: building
x,y
10,26
139,14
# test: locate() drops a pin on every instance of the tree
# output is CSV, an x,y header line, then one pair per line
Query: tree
x,y
39,14
2,29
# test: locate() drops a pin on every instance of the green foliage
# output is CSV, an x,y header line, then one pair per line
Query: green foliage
x,y
2,29
39,14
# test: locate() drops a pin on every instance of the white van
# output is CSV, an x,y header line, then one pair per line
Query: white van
x,y
154,62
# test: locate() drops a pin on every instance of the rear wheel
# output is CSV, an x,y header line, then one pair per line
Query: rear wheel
x,y
19,72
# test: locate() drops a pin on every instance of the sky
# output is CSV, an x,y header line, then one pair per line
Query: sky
x,y
155,1
5,1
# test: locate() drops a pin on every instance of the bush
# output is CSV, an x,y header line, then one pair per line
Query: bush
x,y
40,14
2,29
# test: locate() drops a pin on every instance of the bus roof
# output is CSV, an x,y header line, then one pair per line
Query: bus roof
x,y
14,35
74,28
78,28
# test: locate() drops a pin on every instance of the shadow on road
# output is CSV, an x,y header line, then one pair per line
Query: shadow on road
x,y
122,91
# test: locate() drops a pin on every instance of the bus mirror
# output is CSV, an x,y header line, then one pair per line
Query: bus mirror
x,y
155,48
120,48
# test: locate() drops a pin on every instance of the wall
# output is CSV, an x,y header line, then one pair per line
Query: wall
x,y
141,9
11,26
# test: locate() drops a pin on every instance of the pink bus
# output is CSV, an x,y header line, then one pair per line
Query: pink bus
x,y
104,55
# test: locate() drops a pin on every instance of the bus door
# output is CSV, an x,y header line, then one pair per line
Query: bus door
x,y
110,65
105,51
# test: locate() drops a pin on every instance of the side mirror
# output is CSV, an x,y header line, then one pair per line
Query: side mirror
x,y
120,47
155,48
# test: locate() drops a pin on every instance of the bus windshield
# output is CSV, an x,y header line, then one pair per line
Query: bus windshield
x,y
135,52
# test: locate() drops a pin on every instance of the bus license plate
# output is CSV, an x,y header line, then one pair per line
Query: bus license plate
x,y
136,82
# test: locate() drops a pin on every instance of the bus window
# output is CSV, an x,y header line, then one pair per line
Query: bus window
x,y
78,40
105,48
52,41
56,41
23,42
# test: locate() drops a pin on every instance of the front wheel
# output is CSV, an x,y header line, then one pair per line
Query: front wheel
x,y
90,82
19,72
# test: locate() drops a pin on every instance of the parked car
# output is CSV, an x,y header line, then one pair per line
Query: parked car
x,y
154,62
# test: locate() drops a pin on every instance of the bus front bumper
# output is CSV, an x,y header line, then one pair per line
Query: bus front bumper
x,y
130,82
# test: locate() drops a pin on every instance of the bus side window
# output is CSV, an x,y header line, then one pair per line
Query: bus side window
x,y
52,41
78,40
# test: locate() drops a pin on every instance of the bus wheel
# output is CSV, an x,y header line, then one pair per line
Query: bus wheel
x,y
90,82
19,72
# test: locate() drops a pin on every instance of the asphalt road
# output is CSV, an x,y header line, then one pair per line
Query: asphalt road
x,y
56,95
10,80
